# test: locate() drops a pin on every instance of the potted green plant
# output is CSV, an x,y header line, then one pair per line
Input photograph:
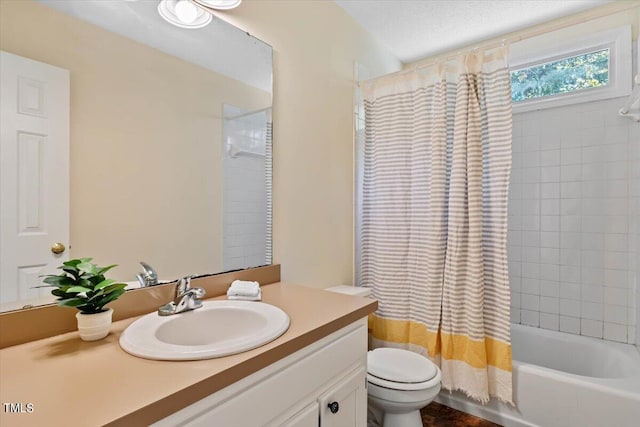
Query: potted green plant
x,y
82,285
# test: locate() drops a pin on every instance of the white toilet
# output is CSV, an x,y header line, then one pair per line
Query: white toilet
x,y
400,382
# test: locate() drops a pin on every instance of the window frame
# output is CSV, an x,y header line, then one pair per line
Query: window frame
x,y
617,40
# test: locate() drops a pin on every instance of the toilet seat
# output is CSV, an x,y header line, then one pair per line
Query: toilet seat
x,y
399,369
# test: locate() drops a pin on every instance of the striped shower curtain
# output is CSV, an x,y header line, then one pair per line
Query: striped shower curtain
x,y
434,219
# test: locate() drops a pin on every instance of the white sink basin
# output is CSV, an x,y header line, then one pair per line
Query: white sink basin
x,y
218,328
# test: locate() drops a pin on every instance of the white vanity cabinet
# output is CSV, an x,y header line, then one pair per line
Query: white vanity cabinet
x,y
309,416
323,384
345,403
340,406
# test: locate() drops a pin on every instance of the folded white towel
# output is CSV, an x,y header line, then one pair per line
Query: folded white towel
x,y
257,297
243,288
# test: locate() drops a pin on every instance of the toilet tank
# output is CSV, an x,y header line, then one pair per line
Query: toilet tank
x,y
359,291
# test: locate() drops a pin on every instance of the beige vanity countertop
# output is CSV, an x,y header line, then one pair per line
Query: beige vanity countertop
x,y
70,382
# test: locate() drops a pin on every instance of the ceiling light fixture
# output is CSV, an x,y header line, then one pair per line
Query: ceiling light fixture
x,y
219,4
183,13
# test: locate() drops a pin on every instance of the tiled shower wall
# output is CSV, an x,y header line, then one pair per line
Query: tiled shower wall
x,y
244,194
634,192
573,219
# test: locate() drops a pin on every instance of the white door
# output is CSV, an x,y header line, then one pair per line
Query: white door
x,y
34,174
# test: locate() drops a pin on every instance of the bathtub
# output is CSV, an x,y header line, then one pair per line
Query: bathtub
x,y
564,380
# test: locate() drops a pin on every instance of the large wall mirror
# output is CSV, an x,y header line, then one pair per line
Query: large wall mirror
x,y
128,139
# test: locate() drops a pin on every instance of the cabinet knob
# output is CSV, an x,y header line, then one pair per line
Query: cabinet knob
x,y
334,407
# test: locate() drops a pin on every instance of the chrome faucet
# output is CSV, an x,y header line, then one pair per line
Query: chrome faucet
x,y
148,277
186,298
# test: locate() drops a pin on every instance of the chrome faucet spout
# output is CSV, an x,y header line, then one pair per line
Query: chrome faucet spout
x,y
186,298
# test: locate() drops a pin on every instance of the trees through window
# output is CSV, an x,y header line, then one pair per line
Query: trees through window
x,y
570,74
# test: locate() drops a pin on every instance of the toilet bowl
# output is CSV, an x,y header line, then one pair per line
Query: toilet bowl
x,y
399,382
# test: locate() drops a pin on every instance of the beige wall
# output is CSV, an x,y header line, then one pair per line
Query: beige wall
x,y
145,143
315,45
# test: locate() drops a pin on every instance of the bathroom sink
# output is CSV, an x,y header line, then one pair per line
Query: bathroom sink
x,y
219,328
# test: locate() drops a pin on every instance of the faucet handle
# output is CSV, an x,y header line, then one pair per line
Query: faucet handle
x,y
193,298
141,280
186,298
148,277
149,274
198,292
183,285
148,270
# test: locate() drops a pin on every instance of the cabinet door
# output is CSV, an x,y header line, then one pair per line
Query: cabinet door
x,y
345,404
308,417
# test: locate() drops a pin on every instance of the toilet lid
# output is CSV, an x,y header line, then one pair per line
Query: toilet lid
x,y
400,366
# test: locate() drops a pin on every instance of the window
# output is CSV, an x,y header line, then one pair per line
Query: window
x,y
580,72
594,67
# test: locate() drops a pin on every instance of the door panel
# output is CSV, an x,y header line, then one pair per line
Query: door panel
x,y
345,404
34,175
308,417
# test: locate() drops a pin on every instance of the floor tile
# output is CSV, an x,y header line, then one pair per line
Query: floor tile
x,y
437,415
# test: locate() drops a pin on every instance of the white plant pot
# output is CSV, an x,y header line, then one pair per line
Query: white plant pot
x,y
96,326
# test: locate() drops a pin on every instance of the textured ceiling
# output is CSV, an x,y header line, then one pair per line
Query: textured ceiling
x,y
415,29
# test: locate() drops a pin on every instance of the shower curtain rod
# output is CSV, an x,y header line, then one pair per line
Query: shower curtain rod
x,y
520,35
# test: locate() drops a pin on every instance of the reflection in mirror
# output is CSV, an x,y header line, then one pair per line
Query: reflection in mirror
x,y
127,139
